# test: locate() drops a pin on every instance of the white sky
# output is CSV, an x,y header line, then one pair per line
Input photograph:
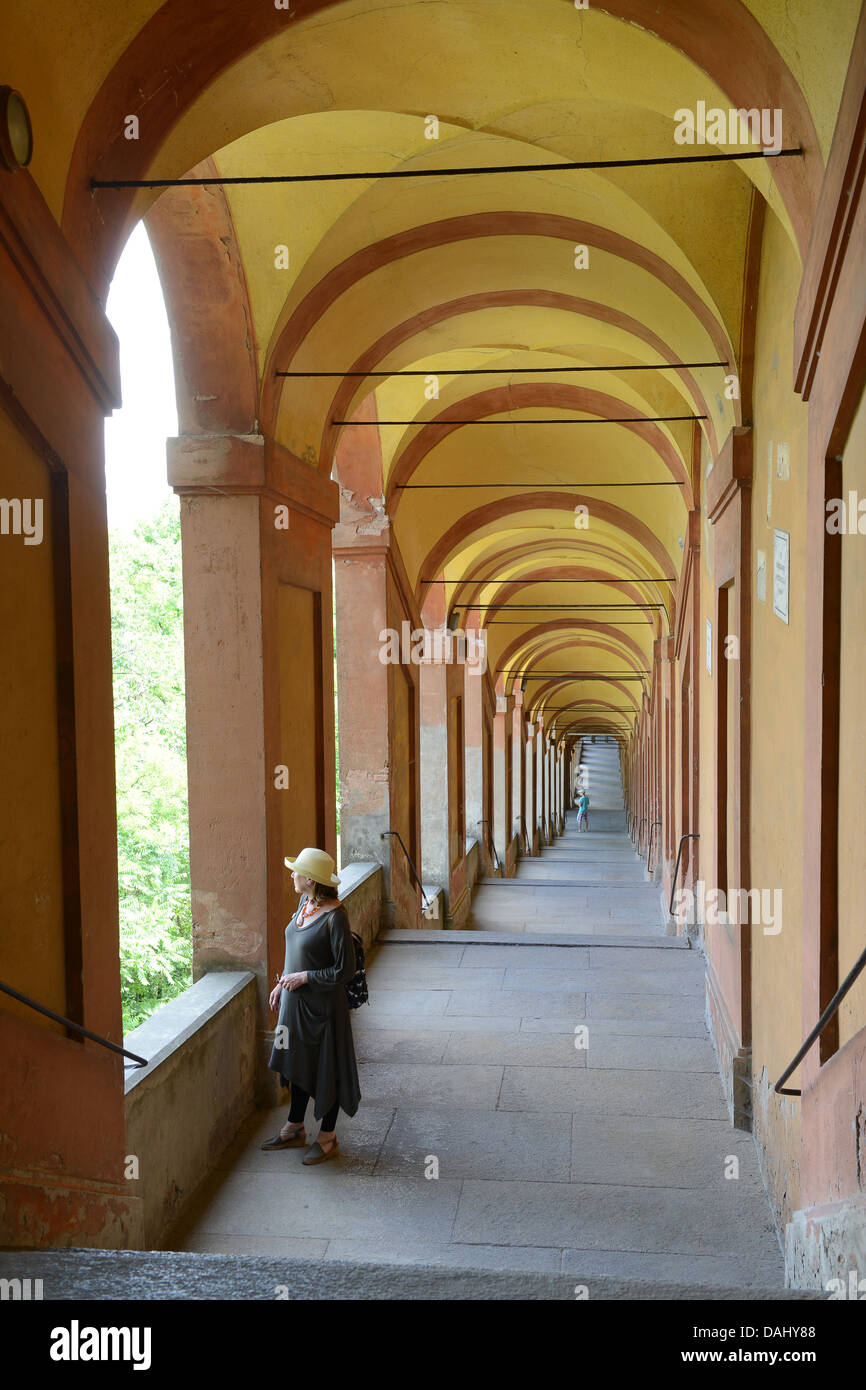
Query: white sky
x,y
135,469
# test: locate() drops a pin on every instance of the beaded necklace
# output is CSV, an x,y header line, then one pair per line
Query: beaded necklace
x,y
311,907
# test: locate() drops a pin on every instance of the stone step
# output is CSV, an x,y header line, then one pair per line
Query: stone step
x,y
471,1273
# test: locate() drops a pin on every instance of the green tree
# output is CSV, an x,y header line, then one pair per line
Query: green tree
x,y
150,752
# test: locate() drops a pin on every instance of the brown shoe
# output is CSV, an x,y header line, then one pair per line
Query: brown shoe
x,y
294,1141
316,1154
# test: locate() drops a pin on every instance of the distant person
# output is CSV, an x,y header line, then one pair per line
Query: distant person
x,y
583,811
313,1050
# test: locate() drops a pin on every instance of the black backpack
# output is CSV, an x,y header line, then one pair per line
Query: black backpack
x,y
356,990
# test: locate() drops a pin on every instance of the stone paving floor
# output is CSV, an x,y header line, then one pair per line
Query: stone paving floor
x,y
552,1156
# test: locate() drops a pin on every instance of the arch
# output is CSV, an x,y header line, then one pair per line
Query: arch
x,y
348,388
291,332
180,50
212,332
437,556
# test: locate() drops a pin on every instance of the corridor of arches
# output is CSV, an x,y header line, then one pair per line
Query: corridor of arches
x,y
622,398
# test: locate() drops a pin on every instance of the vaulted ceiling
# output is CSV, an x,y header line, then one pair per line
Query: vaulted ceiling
x,y
446,275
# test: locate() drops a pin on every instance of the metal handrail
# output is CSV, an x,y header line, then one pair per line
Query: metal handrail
x,y
521,821
398,836
649,848
692,835
816,1032
76,1027
496,859
643,821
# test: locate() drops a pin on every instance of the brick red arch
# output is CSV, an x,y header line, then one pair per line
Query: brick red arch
x,y
540,395
435,559
569,625
553,685
577,718
185,46
516,585
212,333
585,550
369,360
296,323
564,644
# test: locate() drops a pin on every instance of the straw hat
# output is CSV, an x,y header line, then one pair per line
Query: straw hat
x,y
314,864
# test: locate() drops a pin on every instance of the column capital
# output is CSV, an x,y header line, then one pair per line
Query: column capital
x,y
731,473
250,464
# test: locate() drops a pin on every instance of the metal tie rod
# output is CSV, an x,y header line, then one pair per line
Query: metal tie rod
x,y
424,487
510,371
604,420
517,578
552,166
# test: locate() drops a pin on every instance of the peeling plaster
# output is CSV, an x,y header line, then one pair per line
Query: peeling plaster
x,y
215,928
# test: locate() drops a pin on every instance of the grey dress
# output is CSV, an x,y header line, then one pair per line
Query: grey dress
x,y
314,1025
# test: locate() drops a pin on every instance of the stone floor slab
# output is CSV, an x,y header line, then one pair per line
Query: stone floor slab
x,y
620,1027
568,957
399,1045
326,1203
454,1255
609,1217
527,1004
468,1086
611,1005
441,953
640,1053
475,1145
392,976
661,1151
517,1048
606,981
593,1092
445,1023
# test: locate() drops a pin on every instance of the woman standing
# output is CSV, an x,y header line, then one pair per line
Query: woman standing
x,y
313,1049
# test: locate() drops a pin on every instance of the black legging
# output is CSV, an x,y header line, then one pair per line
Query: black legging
x,y
300,1101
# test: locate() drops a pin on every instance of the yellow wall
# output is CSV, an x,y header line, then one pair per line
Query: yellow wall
x,y
852,737
777,704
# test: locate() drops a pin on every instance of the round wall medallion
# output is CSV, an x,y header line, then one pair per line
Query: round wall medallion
x,y
16,132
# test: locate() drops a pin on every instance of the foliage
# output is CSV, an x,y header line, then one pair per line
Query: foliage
x,y
150,750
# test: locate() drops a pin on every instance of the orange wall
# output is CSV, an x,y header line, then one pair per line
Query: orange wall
x,y
852,737
777,749
31,888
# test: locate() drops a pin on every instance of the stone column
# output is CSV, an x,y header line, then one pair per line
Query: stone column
x,y
474,716
530,761
518,773
551,785
560,788
378,679
540,781
256,530
435,830
503,829
443,767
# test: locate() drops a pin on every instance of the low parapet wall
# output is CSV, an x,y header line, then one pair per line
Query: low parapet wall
x,y
186,1106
